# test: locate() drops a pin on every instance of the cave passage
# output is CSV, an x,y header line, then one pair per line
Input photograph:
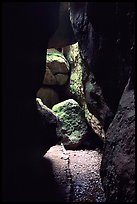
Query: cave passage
x,y
68,121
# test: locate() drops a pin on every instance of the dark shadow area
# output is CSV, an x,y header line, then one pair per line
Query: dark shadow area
x,y
35,184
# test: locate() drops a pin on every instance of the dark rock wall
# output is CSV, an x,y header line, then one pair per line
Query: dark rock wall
x,y
26,28
105,33
114,30
118,163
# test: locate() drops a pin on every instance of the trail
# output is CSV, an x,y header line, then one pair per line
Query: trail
x,y
77,174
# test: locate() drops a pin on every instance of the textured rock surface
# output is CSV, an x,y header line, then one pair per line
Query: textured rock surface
x,y
107,49
114,46
118,164
48,95
57,62
47,114
76,89
77,174
73,127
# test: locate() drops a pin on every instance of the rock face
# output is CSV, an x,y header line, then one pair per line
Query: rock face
x,y
73,128
76,90
84,33
25,38
113,45
109,51
118,164
107,48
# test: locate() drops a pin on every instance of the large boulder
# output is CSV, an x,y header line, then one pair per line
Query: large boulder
x,y
48,95
73,128
118,163
57,68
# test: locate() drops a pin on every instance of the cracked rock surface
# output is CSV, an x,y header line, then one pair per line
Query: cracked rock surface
x,y
77,174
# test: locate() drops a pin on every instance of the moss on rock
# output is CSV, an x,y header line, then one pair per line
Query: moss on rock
x,y
73,127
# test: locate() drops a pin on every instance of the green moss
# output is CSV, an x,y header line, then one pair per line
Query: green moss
x,y
53,56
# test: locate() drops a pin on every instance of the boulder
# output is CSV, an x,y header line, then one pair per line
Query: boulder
x,y
46,113
57,63
48,96
57,68
49,78
118,163
73,128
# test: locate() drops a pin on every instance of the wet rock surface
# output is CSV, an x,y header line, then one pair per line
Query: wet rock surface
x,y
77,174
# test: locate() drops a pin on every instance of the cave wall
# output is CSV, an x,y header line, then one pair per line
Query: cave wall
x,y
105,32
26,29
118,163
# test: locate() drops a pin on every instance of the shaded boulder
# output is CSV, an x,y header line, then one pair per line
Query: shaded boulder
x,y
49,121
73,128
57,62
118,163
49,96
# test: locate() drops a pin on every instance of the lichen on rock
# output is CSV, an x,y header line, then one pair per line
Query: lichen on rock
x,y
76,88
73,127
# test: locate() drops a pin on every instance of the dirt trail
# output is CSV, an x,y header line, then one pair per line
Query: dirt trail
x,y
77,174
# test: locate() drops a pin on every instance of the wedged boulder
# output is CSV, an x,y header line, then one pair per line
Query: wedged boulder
x,y
49,122
49,78
48,96
57,62
57,68
118,163
73,128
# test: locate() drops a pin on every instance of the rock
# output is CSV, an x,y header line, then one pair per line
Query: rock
x,y
25,38
113,44
46,113
118,163
57,68
73,127
48,96
61,79
106,47
64,34
75,90
49,121
49,78
57,63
